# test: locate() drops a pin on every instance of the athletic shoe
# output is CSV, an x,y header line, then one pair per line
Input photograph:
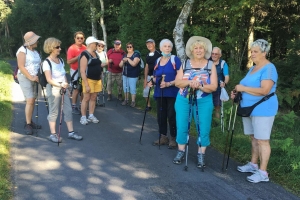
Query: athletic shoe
x,y
179,157
201,160
84,121
35,126
75,111
164,140
247,168
120,97
54,138
132,104
124,103
148,108
93,119
74,136
109,97
258,177
28,129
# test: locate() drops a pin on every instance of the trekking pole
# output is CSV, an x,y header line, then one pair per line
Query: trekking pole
x,y
161,100
37,109
62,92
103,92
46,102
146,109
189,128
222,117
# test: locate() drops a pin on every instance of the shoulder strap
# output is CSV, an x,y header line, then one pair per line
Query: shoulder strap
x,y
265,98
222,64
49,64
25,49
157,61
173,61
184,65
209,66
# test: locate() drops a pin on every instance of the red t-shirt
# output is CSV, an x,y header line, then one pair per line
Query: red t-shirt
x,y
73,52
116,57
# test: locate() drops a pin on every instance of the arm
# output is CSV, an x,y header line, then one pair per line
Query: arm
x,y
263,90
213,82
133,62
146,71
72,60
83,66
21,59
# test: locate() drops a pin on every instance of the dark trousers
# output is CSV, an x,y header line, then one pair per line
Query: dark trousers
x,y
166,113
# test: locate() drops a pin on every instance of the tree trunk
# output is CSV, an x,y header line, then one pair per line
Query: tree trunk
x,y
93,19
101,22
178,31
250,40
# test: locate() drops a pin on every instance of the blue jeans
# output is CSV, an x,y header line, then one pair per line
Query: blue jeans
x,y
205,109
129,84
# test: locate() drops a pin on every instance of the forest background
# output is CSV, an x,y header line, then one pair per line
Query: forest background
x,y
230,24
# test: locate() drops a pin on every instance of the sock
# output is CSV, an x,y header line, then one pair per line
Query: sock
x,y
263,172
91,115
84,117
201,153
71,132
73,105
254,165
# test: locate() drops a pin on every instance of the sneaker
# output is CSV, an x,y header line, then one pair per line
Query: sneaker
x,y
93,119
28,129
148,108
172,142
54,138
35,126
74,136
179,157
164,140
84,121
247,168
75,111
257,177
120,97
109,97
201,160
124,103
132,104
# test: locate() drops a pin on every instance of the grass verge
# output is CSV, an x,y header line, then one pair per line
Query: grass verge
x,y
5,118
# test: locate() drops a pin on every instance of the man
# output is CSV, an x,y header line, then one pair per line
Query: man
x,y
115,56
72,59
148,72
223,77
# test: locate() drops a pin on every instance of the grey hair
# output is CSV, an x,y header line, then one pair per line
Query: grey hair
x,y
218,49
164,41
263,45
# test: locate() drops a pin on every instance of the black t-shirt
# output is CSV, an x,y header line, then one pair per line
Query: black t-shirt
x,y
94,69
151,61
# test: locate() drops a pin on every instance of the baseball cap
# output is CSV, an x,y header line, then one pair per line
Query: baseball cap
x,y
91,40
150,40
117,42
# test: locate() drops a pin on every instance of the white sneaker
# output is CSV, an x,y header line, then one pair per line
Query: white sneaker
x,y
257,177
84,121
93,119
247,168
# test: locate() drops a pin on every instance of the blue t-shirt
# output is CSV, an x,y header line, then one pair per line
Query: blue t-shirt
x,y
268,107
170,72
129,71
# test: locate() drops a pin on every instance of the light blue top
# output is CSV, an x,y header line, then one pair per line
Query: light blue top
x,y
268,107
225,69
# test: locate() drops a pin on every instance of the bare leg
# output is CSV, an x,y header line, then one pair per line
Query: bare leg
x,y
181,147
29,109
70,126
86,98
133,97
264,153
254,150
217,111
74,96
92,102
52,127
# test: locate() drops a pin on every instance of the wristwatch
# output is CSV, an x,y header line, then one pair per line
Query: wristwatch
x,y
170,84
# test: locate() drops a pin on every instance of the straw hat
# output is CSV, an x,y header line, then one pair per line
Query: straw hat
x,y
192,40
30,38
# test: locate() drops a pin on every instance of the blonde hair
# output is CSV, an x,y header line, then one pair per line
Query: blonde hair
x,y
50,43
200,43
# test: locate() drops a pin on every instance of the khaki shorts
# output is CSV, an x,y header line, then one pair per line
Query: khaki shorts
x,y
28,87
96,86
146,89
260,127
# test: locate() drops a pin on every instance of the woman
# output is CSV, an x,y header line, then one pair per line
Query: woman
x,y
28,63
165,93
90,70
55,73
260,81
130,73
198,75
102,54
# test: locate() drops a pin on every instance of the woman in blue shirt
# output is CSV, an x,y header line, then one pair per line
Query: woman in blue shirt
x,y
260,81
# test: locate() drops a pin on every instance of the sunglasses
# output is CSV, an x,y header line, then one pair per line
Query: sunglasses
x,y
129,47
100,46
79,38
214,54
57,47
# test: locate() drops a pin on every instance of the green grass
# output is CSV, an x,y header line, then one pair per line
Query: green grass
x,y
5,118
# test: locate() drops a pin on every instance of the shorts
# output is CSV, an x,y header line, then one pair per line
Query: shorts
x,y
129,84
95,85
28,87
146,89
260,127
216,97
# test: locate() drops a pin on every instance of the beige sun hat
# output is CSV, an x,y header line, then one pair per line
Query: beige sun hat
x,y
192,40
30,38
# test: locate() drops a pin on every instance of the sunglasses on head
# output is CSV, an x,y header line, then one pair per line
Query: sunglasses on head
x,y
79,38
57,47
129,47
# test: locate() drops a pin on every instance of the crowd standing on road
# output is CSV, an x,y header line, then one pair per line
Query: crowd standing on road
x,y
182,90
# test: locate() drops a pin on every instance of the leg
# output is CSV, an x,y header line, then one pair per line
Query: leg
x,y
119,83
92,103
162,121
85,101
29,109
264,150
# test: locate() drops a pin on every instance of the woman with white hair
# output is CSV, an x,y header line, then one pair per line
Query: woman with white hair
x,y
260,81
29,62
165,93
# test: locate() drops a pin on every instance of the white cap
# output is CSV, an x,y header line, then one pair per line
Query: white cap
x,y
91,40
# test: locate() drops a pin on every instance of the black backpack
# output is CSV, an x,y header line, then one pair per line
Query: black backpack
x,y
42,78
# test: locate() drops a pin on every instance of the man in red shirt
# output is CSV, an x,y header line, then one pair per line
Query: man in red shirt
x,y
115,55
72,59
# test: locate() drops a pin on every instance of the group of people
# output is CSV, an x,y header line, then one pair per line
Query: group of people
x,y
182,90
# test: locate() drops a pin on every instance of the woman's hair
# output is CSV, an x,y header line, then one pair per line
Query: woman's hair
x,y
78,32
200,43
263,45
130,44
164,41
50,43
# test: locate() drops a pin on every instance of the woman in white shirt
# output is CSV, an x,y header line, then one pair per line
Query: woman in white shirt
x,y
28,63
56,87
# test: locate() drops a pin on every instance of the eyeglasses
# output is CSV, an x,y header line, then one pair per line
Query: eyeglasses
x,y
79,38
214,54
129,47
100,45
57,47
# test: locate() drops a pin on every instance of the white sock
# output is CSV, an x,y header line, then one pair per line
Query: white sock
x,y
254,165
264,172
84,117
91,115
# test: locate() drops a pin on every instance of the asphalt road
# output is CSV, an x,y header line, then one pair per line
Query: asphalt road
x,y
110,163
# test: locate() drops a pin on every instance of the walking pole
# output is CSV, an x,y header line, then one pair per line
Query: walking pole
x,y
103,92
146,109
222,117
189,128
62,92
46,102
37,109
161,96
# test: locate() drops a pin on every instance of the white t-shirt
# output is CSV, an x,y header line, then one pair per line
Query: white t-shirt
x,y
102,56
32,62
58,70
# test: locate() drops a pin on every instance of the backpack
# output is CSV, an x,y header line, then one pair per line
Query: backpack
x,y
207,67
141,64
41,74
172,61
15,73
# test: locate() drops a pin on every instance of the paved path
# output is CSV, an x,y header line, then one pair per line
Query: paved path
x,y
110,163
